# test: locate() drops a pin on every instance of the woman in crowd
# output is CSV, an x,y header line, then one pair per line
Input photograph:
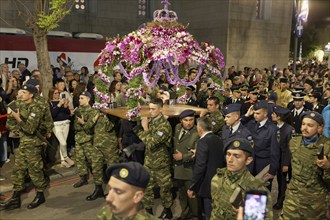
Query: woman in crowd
x,y
114,90
61,115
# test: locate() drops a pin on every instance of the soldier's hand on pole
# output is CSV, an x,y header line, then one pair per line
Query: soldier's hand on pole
x,y
81,120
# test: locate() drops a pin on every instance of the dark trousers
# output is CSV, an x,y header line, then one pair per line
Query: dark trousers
x,y
282,184
204,208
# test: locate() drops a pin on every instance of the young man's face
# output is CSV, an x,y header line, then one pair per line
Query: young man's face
x,y
212,106
231,118
83,100
260,114
310,128
298,103
237,160
154,110
123,198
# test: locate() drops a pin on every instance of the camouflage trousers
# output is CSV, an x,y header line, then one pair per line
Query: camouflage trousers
x,y
100,155
299,205
161,177
28,157
83,151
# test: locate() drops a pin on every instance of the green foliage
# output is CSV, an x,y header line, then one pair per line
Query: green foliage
x,y
57,11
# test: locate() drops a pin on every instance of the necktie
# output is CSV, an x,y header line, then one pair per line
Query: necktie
x,y
295,113
258,125
182,134
231,129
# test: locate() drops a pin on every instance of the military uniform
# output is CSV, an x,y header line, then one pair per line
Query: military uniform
x,y
306,196
222,187
106,214
105,147
296,120
157,142
217,121
28,155
84,138
241,132
183,168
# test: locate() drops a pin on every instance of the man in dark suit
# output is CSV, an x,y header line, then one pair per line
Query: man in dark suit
x,y
296,112
266,146
191,97
234,128
185,138
209,157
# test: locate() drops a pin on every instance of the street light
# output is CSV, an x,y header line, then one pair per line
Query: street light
x,y
301,14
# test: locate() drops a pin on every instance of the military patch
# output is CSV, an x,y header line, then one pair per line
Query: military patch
x,y
236,144
33,115
123,173
159,133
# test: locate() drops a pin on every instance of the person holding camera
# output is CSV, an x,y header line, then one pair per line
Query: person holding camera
x,y
239,154
307,195
61,116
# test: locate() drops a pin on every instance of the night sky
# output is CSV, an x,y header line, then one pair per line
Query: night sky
x,y
319,12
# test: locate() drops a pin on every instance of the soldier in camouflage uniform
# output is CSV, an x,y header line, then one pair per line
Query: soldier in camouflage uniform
x,y
126,191
238,156
85,119
28,155
156,135
217,119
306,195
105,151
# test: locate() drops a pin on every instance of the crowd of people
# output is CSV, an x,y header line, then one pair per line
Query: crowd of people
x,y
259,124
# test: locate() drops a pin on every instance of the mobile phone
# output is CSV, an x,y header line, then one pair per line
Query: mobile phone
x,y
236,199
320,155
255,203
63,96
13,106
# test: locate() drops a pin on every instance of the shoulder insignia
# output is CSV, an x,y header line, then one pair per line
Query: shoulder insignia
x,y
159,133
33,114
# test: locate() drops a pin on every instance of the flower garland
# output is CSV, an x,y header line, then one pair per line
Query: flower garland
x,y
142,54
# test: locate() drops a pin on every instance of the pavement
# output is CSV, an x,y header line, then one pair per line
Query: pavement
x,y
55,172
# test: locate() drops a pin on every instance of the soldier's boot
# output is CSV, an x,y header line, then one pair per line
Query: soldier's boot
x,y
83,181
13,203
38,200
149,211
166,214
98,193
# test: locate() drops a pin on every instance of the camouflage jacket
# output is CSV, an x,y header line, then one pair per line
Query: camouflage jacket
x,y
84,133
157,141
306,175
32,118
106,214
224,184
217,121
104,134
47,123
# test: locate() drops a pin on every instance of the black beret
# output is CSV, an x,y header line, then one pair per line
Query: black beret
x,y
260,104
316,95
313,115
298,94
239,144
273,96
87,94
186,113
32,89
280,110
235,88
298,88
310,82
235,107
33,82
283,80
192,88
132,173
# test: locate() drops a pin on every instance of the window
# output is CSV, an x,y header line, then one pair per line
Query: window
x,y
80,5
143,8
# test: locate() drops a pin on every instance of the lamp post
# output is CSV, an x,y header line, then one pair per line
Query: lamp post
x,y
301,14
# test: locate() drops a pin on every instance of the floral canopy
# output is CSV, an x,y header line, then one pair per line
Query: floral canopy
x,y
160,45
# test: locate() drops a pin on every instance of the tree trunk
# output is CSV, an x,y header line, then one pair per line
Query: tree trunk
x,y
44,65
